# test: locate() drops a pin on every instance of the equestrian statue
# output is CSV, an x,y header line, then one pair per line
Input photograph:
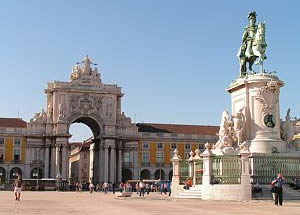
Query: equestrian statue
x,y
253,45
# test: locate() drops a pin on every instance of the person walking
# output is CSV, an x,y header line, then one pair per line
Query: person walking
x,y
142,188
278,182
105,185
80,187
147,188
114,188
91,186
18,187
77,187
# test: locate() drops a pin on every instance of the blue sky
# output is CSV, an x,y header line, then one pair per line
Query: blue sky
x,y
173,59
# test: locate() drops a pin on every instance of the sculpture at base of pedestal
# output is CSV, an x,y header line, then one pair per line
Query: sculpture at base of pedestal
x,y
231,134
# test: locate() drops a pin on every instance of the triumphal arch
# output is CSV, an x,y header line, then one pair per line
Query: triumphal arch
x,y
83,99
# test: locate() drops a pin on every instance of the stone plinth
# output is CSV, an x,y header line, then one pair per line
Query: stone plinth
x,y
258,94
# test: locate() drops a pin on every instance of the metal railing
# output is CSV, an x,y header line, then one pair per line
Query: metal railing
x,y
226,170
198,165
184,171
265,169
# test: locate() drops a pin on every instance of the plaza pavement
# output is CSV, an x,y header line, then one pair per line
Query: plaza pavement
x,y
56,203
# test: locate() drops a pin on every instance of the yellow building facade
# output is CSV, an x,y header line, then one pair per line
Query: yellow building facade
x,y
12,148
158,142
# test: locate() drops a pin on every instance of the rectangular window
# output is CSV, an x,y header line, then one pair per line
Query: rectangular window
x,y
159,157
187,146
85,156
126,157
1,141
145,157
17,141
159,145
173,146
16,154
145,146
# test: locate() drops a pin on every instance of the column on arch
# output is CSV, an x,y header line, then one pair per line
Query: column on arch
x,y
53,161
105,168
64,161
92,158
101,163
57,160
119,163
46,175
112,163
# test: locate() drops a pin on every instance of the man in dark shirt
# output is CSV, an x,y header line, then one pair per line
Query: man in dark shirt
x,y
278,182
18,187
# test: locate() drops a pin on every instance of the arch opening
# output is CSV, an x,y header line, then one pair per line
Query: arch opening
x,y
145,174
126,175
159,174
15,172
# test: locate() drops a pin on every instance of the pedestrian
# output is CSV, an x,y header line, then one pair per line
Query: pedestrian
x,y
105,186
169,187
18,187
77,187
80,187
91,186
278,182
98,188
114,188
121,187
142,188
137,188
147,188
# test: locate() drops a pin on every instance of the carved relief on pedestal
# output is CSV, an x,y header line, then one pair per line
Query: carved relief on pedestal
x,y
231,133
268,96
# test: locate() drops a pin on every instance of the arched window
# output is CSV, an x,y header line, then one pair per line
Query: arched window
x,y
14,172
145,174
159,174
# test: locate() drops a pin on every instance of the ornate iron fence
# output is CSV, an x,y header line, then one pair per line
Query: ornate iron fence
x,y
198,171
183,171
265,169
226,170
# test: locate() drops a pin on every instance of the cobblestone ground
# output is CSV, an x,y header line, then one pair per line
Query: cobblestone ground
x,y
56,203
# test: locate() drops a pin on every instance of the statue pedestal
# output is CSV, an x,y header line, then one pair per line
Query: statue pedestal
x,y
259,95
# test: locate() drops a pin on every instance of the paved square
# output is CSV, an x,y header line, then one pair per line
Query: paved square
x,y
99,203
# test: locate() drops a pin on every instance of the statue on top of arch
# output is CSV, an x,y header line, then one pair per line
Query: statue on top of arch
x,y
84,69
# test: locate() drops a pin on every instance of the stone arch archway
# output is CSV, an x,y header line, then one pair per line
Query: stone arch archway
x,y
126,175
2,175
14,172
145,174
159,174
36,173
82,99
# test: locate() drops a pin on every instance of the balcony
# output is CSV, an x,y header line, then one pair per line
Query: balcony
x,y
160,164
145,164
36,162
127,164
15,161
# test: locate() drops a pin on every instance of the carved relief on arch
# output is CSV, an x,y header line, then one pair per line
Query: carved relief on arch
x,y
86,104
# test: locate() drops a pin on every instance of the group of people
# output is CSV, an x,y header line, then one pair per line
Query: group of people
x,y
104,188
